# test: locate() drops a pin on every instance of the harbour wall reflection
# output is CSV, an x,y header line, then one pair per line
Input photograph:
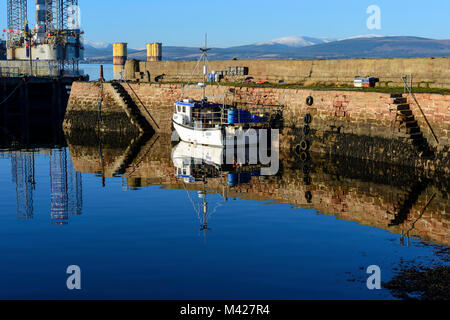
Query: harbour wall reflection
x,y
401,200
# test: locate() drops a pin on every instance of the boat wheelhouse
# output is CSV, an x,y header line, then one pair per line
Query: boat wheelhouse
x,y
207,123
218,124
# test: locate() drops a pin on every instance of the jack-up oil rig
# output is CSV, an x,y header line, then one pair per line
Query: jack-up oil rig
x,y
53,47
39,63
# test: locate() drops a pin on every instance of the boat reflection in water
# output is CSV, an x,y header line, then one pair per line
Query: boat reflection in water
x,y
395,199
199,164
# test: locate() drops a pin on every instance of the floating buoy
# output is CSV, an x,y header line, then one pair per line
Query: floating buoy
x,y
310,101
308,118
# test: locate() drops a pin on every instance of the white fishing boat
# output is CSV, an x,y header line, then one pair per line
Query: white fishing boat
x,y
219,124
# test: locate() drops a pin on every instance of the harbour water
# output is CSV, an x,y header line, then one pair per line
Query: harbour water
x,y
136,236
113,206
93,70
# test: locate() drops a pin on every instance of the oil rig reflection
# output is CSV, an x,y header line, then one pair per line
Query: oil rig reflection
x,y
66,197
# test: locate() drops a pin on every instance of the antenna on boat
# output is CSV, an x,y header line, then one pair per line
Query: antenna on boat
x,y
204,58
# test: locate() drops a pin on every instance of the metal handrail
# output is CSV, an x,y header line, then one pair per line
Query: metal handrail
x,y
404,78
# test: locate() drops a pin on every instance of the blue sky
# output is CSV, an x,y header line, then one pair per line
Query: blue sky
x,y
237,22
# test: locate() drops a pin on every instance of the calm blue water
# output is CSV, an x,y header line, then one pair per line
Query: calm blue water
x,y
147,243
93,70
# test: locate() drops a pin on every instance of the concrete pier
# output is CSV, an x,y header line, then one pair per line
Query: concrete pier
x,y
426,72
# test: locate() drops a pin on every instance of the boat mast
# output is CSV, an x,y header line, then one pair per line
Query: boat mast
x,y
205,66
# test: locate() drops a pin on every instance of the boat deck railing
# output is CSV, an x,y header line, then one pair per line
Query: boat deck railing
x,y
210,119
213,119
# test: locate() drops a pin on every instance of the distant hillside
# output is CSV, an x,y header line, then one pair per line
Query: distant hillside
x,y
301,48
99,50
386,47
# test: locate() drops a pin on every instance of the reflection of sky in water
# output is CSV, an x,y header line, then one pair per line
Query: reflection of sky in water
x,y
147,243
93,70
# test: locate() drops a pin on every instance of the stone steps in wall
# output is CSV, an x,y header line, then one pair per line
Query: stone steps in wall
x,y
411,124
400,100
407,119
412,130
403,106
416,136
132,110
141,109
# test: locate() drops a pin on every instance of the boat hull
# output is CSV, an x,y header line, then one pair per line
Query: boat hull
x,y
219,137
212,137
185,152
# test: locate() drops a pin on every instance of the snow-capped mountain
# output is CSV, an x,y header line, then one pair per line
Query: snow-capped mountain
x,y
100,49
96,44
302,41
291,41
363,36
363,46
295,41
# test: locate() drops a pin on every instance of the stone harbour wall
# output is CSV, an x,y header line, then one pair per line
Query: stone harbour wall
x,y
361,124
83,111
426,72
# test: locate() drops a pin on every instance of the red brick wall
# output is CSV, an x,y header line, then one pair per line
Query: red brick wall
x,y
358,115
86,96
365,113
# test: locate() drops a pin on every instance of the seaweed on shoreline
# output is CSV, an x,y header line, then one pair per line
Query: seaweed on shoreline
x,y
419,283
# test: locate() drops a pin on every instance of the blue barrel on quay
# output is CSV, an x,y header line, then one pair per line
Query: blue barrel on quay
x,y
232,116
232,179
